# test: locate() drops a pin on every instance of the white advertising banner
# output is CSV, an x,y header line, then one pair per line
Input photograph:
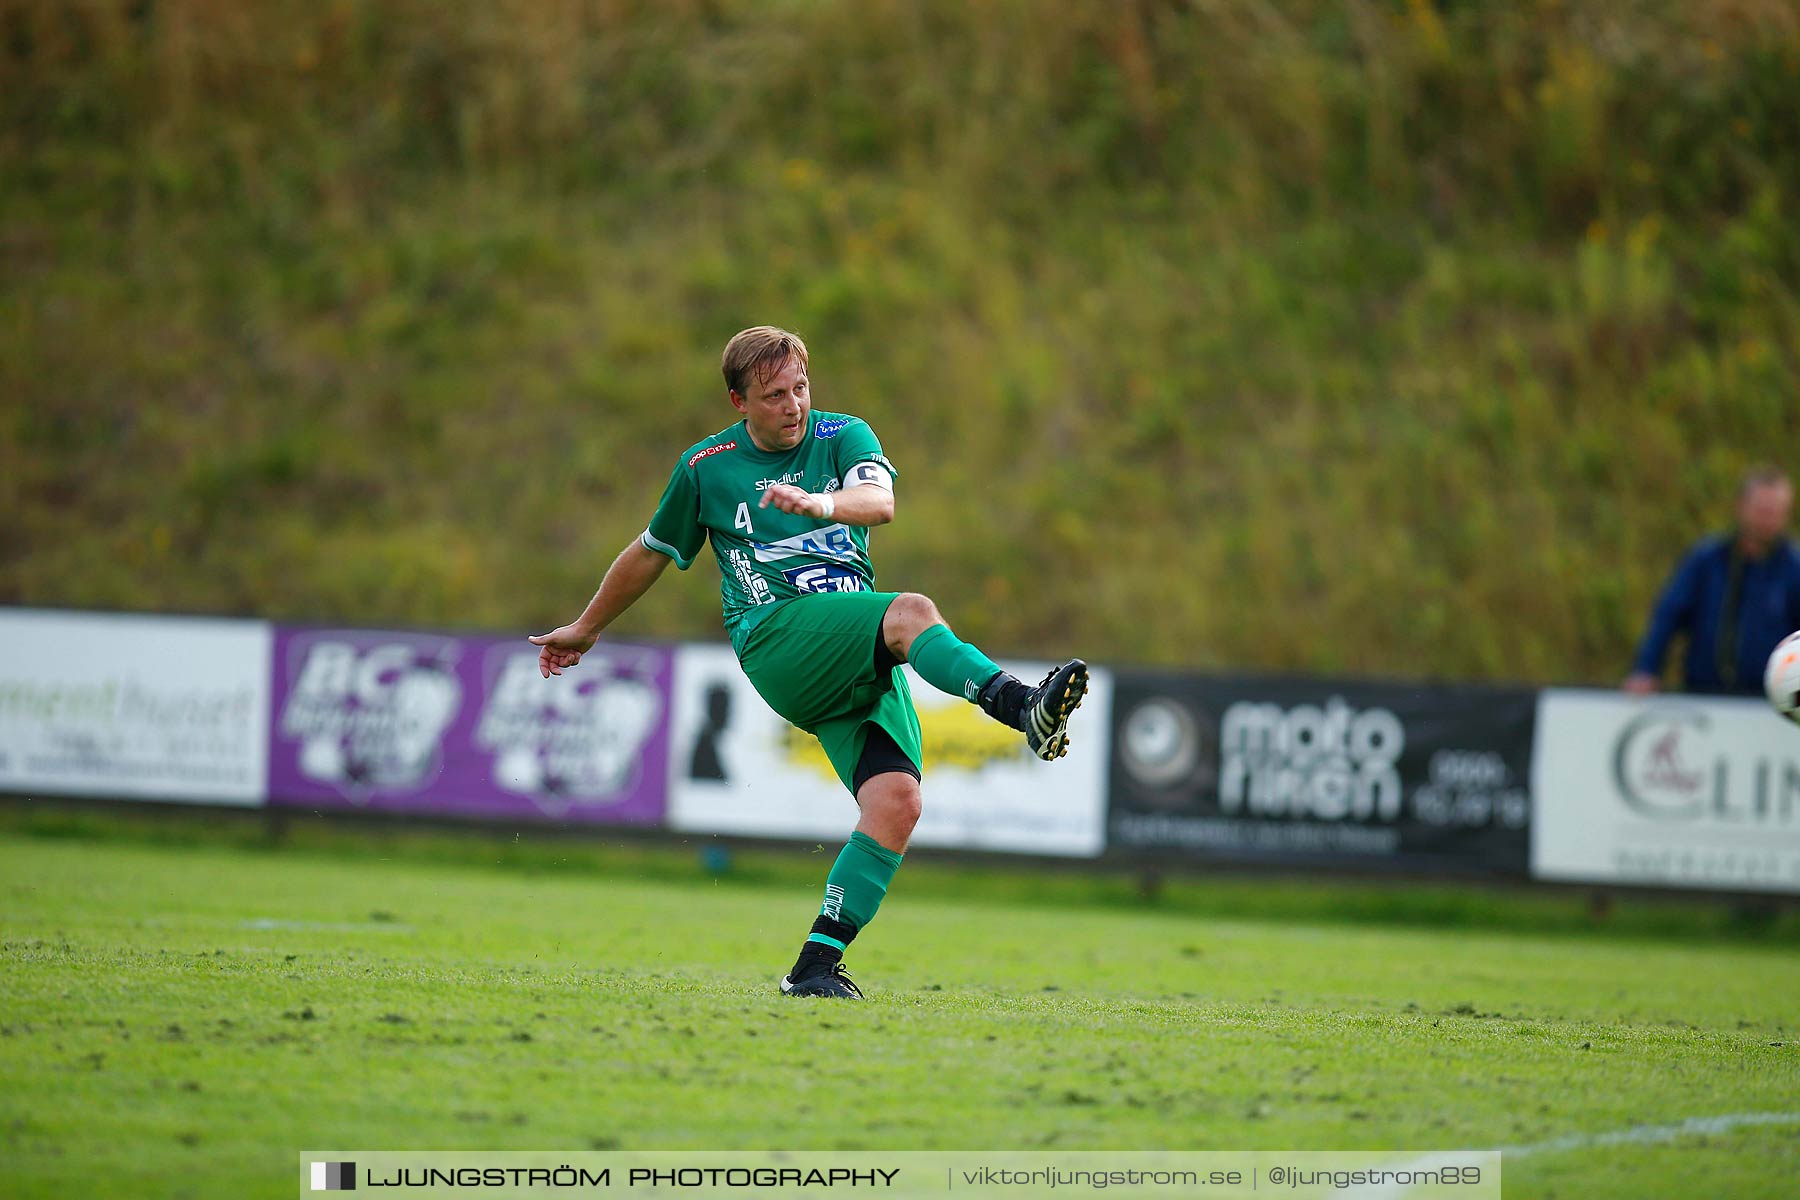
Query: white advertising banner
x,y
737,768
134,707
1668,791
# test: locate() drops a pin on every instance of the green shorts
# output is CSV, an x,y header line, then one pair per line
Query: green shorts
x,y
813,659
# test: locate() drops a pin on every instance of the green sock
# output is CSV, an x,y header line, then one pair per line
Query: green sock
x,y
853,891
949,664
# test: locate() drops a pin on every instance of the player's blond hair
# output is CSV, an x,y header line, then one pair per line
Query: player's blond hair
x,y
763,349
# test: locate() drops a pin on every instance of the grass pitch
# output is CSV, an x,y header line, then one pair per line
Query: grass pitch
x,y
181,1019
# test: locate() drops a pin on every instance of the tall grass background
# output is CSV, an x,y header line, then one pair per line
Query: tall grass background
x,y
1397,338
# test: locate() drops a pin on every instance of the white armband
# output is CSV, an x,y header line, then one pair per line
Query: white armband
x,y
869,473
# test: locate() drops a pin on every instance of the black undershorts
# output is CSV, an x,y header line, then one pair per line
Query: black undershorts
x,y
881,753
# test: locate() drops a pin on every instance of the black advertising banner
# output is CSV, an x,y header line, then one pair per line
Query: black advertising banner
x,y
1328,773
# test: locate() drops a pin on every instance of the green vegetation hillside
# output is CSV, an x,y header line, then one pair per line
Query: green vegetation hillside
x,y
1407,338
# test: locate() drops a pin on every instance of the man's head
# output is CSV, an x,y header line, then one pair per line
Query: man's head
x,y
1765,499
765,373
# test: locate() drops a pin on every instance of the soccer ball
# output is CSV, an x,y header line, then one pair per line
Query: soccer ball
x,y
1782,678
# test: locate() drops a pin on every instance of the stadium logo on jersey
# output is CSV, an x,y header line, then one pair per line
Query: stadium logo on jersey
x,y
824,577
790,477
721,448
831,543
831,428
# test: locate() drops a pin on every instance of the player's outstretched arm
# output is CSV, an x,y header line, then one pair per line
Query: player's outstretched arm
x,y
866,505
630,576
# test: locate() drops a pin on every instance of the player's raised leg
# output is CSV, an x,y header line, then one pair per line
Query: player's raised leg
x,y
915,632
858,881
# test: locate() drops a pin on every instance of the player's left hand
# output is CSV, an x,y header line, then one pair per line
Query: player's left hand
x,y
790,499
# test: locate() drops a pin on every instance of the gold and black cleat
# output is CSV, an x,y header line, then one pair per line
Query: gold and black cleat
x,y
1049,707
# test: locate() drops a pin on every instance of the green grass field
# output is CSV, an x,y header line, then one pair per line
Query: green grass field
x,y
180,1019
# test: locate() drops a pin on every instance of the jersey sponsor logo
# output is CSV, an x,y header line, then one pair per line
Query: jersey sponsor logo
x,y
790,477
756,588
721,448
831,428
824,577
831,543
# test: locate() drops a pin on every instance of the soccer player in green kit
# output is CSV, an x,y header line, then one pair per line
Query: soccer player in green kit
x,y
788,496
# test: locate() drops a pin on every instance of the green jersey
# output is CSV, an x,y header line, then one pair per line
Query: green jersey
x,y
767,556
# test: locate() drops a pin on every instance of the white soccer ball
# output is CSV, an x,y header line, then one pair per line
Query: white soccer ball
x,y
1781,680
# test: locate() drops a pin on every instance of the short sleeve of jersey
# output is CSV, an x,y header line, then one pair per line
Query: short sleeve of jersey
x,y
675,529
858,444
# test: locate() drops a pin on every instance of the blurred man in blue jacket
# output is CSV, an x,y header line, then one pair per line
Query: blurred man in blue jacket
x,y
1734,595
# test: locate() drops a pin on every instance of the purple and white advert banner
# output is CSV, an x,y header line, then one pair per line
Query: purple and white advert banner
x,y
134,706
409,722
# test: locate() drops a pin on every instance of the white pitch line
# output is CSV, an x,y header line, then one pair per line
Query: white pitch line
x,y
327,926
1651,1134
1637,1135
